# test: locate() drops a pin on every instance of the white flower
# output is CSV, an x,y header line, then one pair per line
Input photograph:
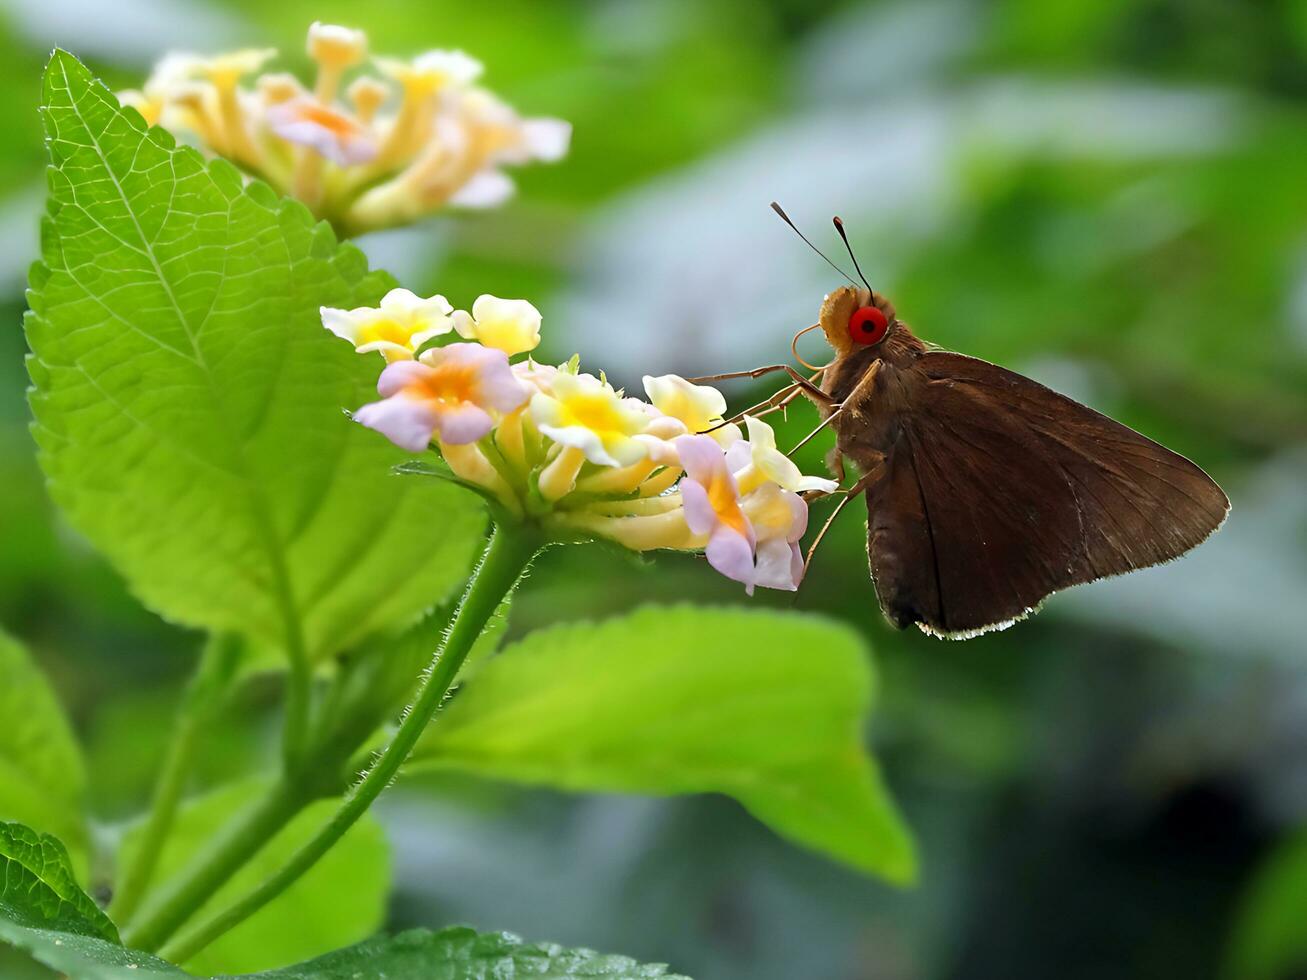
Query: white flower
x,y
779,519
766,462
336,46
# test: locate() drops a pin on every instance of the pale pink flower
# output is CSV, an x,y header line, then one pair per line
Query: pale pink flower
x,y
712,507
452,393
336,135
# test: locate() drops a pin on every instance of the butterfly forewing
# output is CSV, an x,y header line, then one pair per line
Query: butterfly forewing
x,y
996,491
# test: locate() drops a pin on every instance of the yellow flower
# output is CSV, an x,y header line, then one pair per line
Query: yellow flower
x,y
584,413
432,71
699,407
510,325
355,163
397,328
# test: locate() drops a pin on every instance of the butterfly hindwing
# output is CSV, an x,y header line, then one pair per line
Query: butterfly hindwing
x,y
997,491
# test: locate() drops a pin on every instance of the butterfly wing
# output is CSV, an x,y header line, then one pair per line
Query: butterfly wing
x,y
996,492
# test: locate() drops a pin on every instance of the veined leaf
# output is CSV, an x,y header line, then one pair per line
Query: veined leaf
x,y
464,954
42,776
451,954
189,404
342,899
764,706
37,890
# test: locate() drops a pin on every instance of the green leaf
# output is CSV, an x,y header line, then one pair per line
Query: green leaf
x,y
37,889
1269,940
87,958
459,953
766,707
42,776
455,953
189,405
341,900
43,912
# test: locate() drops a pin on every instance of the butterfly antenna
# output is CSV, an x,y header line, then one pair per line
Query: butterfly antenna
x,y
839,226
786,218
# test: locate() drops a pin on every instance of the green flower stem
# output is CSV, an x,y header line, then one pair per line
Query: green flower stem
x,y
509,552
211,870
204,695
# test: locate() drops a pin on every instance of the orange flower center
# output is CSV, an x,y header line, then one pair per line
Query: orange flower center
x,y
722,498
448,385
330,120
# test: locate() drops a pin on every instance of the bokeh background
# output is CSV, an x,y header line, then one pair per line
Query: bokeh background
x,y
1109,195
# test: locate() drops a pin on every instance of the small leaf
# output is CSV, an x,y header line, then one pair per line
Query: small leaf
x,y
766,707
463,954
188,403
340,900
1269,939
42,775
37,889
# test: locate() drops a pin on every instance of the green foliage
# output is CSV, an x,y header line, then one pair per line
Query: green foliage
x,y
451,954
37,890
1269,941
463,954
189,405
43,912
42,776
341,900
766,707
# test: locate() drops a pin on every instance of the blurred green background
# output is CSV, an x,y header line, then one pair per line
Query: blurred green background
x,y
1110,196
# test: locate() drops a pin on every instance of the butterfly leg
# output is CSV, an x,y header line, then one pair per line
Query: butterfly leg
x,y
835,463
808,388
852,493
808,438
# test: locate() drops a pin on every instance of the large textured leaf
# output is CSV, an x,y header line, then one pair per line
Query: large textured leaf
x,y
463,954
764,706
450,954
42,777
189,405
37,890
341,900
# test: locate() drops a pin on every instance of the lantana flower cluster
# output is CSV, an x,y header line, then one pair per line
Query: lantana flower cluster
x,y
562,447
402,139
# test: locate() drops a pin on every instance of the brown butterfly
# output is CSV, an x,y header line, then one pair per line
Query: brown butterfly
x,y
986,492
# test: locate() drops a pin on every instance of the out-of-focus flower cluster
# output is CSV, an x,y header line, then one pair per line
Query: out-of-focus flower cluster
x,y
388,148
563,448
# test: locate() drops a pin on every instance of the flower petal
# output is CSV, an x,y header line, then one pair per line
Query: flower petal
x,y
731,554
777,568
464,424
406,422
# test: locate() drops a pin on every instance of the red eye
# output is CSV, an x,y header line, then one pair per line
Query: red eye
x,y
868,325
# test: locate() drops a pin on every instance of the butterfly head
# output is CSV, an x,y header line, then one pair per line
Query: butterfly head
x,y
854,318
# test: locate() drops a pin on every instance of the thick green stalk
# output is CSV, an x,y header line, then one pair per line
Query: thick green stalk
x,y
204,695
509,552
